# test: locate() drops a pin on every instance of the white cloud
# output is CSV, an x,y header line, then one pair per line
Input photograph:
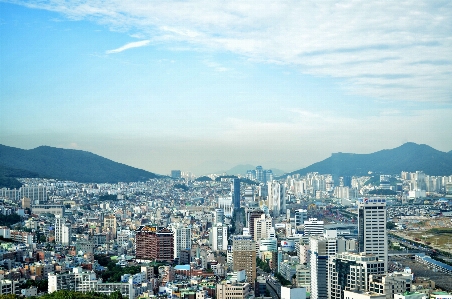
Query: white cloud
x,y
392,50
129,46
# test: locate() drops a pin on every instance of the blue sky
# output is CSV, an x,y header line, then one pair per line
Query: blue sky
x,y
203,85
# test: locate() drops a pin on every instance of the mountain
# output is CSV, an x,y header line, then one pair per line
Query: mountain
x,y
69,164
407,157
240,169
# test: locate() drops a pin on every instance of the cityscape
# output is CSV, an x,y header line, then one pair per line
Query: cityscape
x,y
230,236
225,149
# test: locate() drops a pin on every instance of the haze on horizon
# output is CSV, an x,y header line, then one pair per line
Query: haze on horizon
x,y
202,85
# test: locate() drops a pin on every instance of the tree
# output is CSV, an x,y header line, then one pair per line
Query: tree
x,y
390,225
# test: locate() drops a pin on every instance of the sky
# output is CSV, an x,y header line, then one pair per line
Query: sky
x,y
203,86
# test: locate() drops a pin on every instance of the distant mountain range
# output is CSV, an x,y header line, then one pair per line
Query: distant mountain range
x,y
407,157
65,164
82,166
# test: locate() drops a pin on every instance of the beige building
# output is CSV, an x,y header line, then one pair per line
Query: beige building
x,y
236,290
26,203
244,256
110,224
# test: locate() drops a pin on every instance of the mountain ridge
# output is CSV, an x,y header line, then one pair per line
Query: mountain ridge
x,y
70,164
407,157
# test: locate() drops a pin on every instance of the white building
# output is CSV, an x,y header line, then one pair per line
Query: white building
x,y
219,237
313,227
293,293
63,231
182,238
372,237
225,203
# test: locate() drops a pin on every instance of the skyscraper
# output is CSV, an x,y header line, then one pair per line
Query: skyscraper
x,y
182,238
236,193
219,237
259,174
244,256
321,247
372,237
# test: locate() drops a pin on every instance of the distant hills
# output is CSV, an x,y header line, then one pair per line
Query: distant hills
x,y
82,166
65,164
407,157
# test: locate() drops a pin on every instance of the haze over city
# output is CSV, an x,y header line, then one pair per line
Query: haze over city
x,y
203,86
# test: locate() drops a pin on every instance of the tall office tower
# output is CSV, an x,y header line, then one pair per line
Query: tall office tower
x,y
219,237
182,238
63,231
250,220
372,237
176,174
321,247
37,194
235,188
259,174
350,271
262,227
218,216
276,197
110,224
153,243
313,227
244,256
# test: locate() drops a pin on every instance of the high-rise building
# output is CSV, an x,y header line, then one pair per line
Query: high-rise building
x,y
154,244
244,256
176,174
350,271
250,220
219,237
262,226
300,217
182,238
37,194
276,197
313,227
63,231
321,247
218,216
259,174
235,186
372,237
268,175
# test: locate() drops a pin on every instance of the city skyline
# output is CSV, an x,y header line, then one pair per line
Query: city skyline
x,y
196,85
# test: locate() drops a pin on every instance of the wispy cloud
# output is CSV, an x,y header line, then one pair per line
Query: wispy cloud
x,y
398,50
129,46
